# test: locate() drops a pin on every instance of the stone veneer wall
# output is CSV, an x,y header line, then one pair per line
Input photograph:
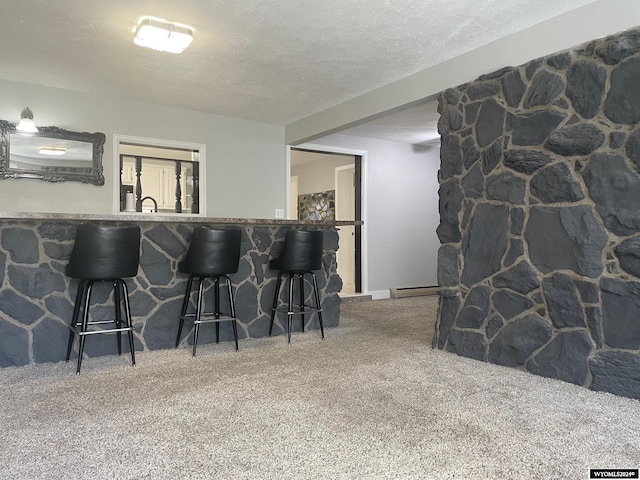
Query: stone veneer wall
x,y
36,298
540,216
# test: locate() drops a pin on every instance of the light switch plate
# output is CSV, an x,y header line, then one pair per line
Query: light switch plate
x,y
279,213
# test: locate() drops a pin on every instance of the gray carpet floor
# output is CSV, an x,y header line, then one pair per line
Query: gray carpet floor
x,y
372,401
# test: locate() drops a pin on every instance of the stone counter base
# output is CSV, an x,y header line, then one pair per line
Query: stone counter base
x,y
36,297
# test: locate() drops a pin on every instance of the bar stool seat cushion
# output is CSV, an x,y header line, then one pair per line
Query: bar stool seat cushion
x,y
302,252
212,252
103,252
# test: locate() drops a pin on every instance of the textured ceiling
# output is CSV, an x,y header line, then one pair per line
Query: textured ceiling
x,y
269,61
417,125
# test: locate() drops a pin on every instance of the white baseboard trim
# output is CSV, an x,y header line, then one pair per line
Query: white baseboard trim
x,y
379,294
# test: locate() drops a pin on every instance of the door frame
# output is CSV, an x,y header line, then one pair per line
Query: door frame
x,y
361,203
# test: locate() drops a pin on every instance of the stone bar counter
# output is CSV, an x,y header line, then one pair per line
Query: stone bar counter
x,y
36,297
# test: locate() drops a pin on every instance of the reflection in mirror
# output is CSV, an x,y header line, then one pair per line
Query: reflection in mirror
x,y
31,153
52,154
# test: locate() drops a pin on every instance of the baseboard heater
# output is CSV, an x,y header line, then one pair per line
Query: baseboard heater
x,y
414,291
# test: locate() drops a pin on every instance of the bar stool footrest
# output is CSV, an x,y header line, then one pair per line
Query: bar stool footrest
x,y
208,318
111,330
299,312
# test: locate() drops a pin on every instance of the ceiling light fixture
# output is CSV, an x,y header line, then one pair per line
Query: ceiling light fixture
x,y
161,35
27,124
52,150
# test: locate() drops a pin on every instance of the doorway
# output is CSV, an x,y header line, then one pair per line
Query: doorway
x,y
318,173
345,208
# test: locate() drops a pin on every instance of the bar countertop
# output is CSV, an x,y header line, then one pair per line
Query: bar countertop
x,y
169,218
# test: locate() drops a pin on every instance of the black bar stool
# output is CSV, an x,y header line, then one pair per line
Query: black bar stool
x,y
301,254
212,254
103,253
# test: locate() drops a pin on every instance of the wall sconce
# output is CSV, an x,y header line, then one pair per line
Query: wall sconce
x,y
161,35
26,124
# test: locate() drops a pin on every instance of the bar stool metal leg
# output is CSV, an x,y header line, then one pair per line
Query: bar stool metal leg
x,y
275,301
85,324
232,308
117,304
290,307
74,317
317,295
200,313
291,279
199,305
216,302
185,306
127,315
302,297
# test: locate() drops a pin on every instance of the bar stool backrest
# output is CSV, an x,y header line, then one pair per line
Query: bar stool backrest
x,y
302,251
212,252
105,252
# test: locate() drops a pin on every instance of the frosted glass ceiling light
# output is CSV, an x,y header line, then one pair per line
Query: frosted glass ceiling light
x,y
161,35
26,124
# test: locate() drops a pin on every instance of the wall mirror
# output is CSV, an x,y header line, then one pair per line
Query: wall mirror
x,y
53,154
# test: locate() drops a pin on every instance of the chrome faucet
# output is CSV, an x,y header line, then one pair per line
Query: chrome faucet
x,y
155,204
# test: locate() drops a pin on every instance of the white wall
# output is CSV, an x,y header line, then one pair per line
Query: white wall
x,y
318,175
245,161
401,211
